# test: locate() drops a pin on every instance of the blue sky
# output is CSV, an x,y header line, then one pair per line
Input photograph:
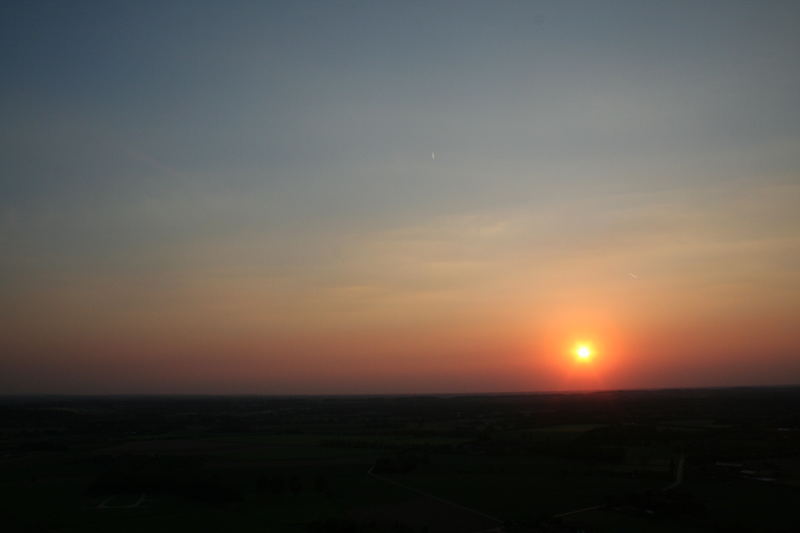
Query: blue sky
x,y
240,167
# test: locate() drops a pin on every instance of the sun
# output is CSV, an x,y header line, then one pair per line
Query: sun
x,y
584,352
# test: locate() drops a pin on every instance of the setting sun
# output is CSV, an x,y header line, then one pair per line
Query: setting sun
x,y
584,352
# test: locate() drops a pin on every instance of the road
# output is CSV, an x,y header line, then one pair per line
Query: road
x,y
679,473
104,504
581,510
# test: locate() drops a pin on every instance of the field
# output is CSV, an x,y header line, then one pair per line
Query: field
x,y
713,460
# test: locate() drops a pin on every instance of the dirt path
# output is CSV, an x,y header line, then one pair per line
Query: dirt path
x,y
499,521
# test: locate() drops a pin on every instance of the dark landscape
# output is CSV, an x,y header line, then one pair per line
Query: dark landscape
x,y
663,460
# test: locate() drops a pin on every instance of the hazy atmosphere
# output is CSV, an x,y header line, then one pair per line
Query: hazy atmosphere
x,y
398,197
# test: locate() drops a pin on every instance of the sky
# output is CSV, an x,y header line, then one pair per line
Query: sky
x,y
398,197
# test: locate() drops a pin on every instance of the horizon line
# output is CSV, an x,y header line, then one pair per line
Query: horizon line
x,y
384,395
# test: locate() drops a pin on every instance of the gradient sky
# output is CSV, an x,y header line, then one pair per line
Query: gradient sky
x,y
240,197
